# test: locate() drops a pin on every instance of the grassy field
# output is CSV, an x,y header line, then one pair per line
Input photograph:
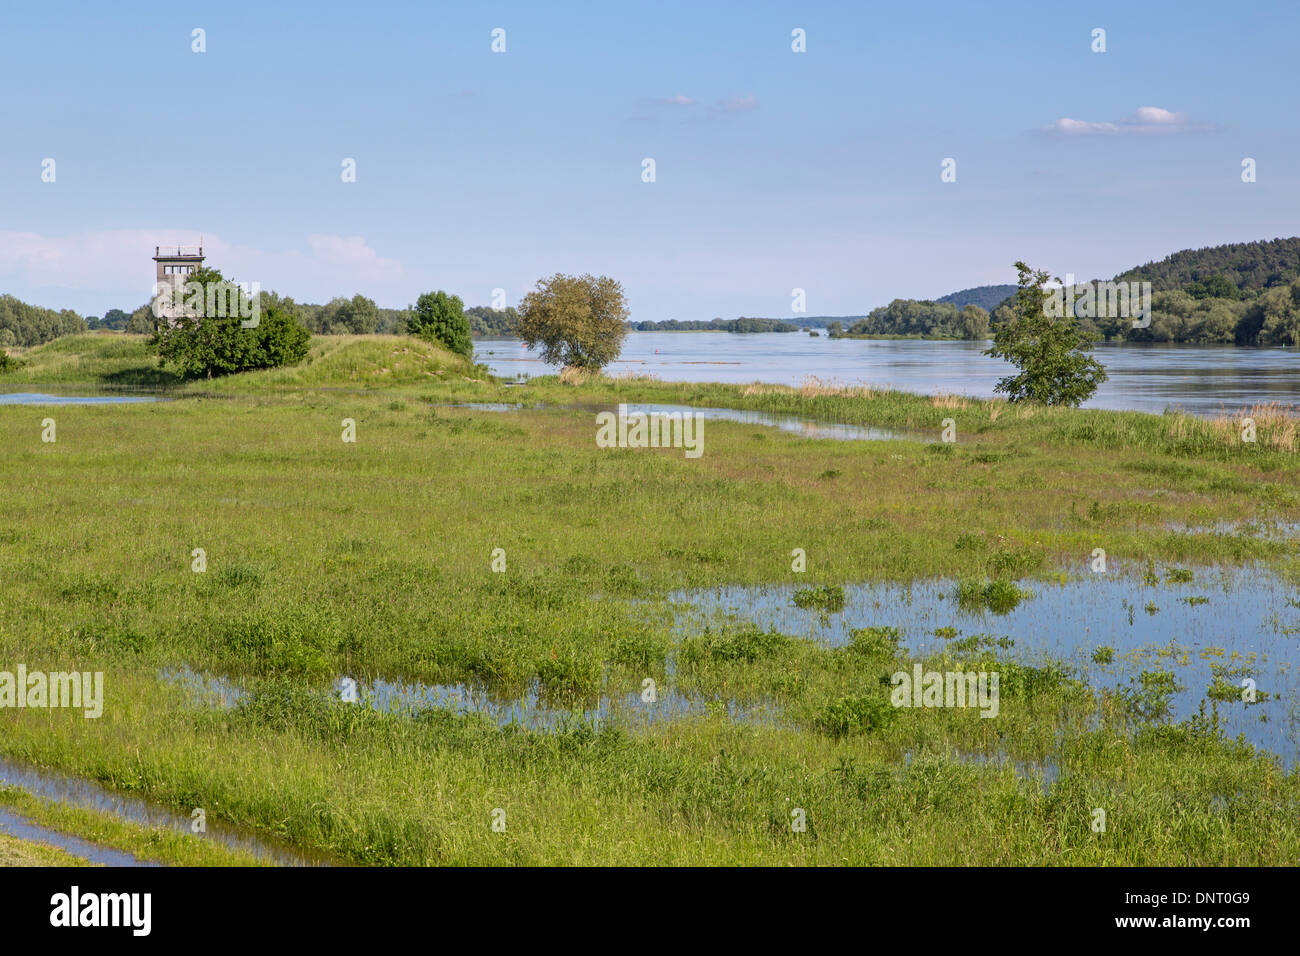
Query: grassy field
x,y
374,559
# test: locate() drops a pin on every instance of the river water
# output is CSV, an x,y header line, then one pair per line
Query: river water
x,y
1201,379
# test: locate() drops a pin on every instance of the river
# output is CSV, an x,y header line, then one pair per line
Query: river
x,y
1201,379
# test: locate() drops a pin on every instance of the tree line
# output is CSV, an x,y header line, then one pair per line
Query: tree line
x,y
358,315
923,319
23,325
1269,316
742,325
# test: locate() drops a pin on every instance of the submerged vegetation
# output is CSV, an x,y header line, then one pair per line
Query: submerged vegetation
x,y
378,559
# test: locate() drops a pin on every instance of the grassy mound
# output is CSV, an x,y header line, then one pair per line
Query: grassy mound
x,y
116,360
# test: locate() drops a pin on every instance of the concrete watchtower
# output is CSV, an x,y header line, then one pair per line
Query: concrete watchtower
x,y
173,271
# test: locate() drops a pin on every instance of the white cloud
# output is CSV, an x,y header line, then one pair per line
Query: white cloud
x,y
1145,119
678,100
1154,115
116,268
1073,127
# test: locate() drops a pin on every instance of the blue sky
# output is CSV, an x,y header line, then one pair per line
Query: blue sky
x,y
775,170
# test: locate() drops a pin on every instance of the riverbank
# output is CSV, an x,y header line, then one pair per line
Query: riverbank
x,y
375,559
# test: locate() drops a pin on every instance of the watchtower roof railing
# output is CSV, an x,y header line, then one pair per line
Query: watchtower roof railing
x,y
182,252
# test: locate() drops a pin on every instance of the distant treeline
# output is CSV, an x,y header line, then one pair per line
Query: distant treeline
x,y
1244,317
355,316
360,316
924,319
24,325
742,324
1245,293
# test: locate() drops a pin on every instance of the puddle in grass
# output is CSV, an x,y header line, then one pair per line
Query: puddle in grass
x,y
527,710
22,828
806,427
1234,618
40,398
482,406
58,787
1262,528
531,712
1044,773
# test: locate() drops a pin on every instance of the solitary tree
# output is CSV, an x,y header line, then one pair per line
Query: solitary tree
x,y
579,321
439,317
1050,351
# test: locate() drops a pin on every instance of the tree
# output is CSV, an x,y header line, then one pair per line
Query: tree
x,y
579,321
1050,351
1280,311
360,316
439,317
973,323
141,321
208,336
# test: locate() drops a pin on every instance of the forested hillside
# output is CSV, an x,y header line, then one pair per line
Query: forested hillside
x,y
1247,293
987,297
1247,267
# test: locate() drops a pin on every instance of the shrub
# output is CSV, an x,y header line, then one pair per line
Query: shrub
x,y
875,641
440,317
827,598
211,339
854,715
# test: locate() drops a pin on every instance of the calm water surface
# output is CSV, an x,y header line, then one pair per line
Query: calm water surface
x,y
1202,379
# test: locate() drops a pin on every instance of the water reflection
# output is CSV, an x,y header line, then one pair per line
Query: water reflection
x,y
529,710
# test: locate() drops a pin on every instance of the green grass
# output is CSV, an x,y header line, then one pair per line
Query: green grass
x,y
16,852
157,844
374,558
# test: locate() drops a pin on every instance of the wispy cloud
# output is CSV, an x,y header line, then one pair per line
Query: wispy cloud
x,y
1145,120
737,104
115,265
677,100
